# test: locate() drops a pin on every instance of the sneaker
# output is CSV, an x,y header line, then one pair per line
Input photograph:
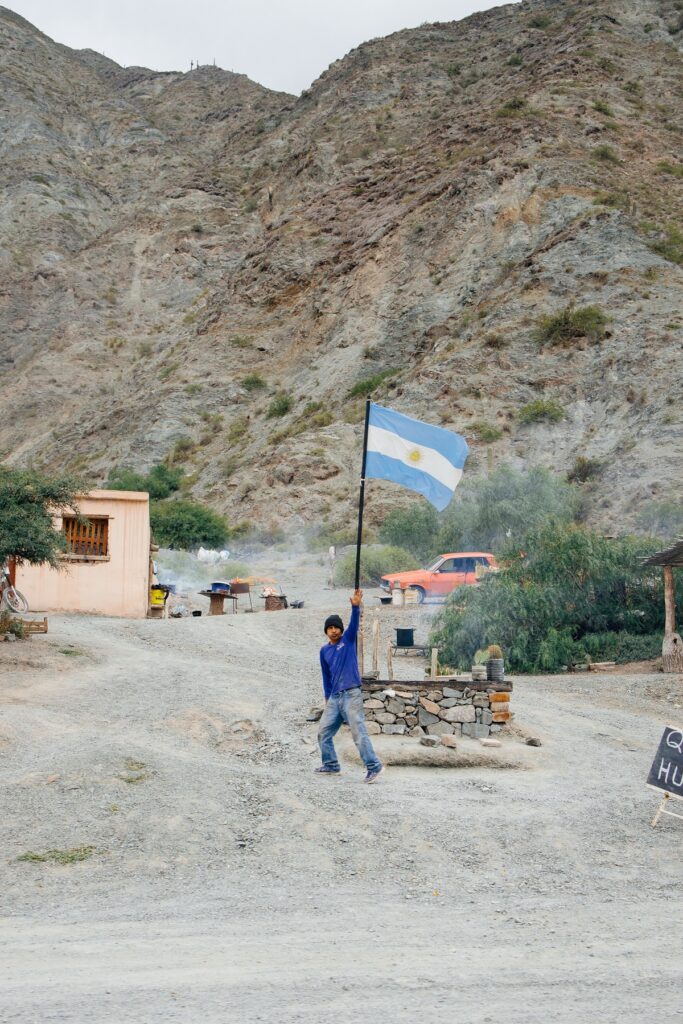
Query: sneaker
x,y
374,775
324,770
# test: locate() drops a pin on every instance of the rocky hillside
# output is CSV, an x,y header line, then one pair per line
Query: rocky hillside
x,y
197,268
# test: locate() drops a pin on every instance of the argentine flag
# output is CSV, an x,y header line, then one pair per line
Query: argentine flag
x,y
426,459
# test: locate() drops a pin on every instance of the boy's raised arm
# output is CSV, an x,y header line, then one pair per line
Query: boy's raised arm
x,y
352,628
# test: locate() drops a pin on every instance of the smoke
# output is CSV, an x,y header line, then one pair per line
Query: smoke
x,y
183,570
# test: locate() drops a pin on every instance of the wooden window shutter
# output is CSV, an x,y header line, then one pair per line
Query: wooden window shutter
x,y
86,538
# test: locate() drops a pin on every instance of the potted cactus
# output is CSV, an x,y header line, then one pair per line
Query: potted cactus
x,y
495,665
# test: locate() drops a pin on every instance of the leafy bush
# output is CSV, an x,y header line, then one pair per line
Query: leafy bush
x,y
166,371
313,416
278,436
605,154
27,500
160,482
320,536
183,447
622,647
496,341
253,382
280,406
486,431
414,528
515,61
668,168
541,410
566,589
488,510
671,245
238,429
229,466
363,388
8,624
375,562
603,108
611,199
514,106
584,469
187,524
320,419
571,323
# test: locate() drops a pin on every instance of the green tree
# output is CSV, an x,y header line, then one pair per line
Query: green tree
x,y
160,482
489,511
662,519
567,593
187,524
123,479
28,501
414,528
375,562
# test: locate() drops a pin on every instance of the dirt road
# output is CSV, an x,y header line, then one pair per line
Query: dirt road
x,y
226,882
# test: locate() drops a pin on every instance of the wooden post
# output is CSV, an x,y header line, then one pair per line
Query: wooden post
x,y
390,662
669,601
435,662
375,644
660,809
672,645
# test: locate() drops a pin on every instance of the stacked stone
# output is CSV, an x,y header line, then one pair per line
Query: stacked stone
x,y
445,710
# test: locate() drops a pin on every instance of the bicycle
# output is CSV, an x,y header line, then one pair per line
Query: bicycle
x,y
9,595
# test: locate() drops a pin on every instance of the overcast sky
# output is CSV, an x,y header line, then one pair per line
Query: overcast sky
x,y
284,44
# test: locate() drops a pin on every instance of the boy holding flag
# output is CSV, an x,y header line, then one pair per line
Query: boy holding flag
x,y
343,695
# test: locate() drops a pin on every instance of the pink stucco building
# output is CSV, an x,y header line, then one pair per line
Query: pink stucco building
x,y
106,568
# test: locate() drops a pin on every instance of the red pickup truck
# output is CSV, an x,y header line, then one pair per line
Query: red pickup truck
x,y
448,572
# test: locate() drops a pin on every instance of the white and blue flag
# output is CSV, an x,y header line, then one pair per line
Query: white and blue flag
x,y
424,458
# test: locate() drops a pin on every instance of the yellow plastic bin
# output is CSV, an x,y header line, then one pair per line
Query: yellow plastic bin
x,y
157,597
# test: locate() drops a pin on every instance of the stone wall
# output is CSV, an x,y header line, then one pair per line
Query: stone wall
x,y
447,708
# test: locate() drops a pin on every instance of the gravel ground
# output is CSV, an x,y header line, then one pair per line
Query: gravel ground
x,y
228,883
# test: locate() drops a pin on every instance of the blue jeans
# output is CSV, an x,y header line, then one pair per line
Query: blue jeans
x,y
346,706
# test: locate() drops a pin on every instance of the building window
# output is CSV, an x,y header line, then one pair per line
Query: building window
x,y
86,538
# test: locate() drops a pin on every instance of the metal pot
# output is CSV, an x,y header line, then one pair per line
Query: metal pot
x,y
495,670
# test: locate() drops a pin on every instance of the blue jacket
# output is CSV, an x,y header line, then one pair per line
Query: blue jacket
x,y
338,661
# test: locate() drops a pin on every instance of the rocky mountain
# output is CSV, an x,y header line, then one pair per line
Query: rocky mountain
x,y
478,221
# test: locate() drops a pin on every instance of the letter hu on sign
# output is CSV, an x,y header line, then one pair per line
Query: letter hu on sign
x,y
667,768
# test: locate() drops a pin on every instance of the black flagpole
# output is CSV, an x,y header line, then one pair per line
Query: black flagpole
x,y
361,497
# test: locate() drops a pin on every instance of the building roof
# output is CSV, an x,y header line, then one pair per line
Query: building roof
x,y
104,495
671,556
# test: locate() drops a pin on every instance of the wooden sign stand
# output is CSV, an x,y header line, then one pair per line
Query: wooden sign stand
x,y
662,809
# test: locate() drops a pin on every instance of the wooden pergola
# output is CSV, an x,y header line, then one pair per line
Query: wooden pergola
x,y
672,646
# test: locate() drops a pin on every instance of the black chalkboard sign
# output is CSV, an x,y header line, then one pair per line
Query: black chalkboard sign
x,y
667,768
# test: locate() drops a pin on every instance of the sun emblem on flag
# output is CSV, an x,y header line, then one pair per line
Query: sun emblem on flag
x,y
415,455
